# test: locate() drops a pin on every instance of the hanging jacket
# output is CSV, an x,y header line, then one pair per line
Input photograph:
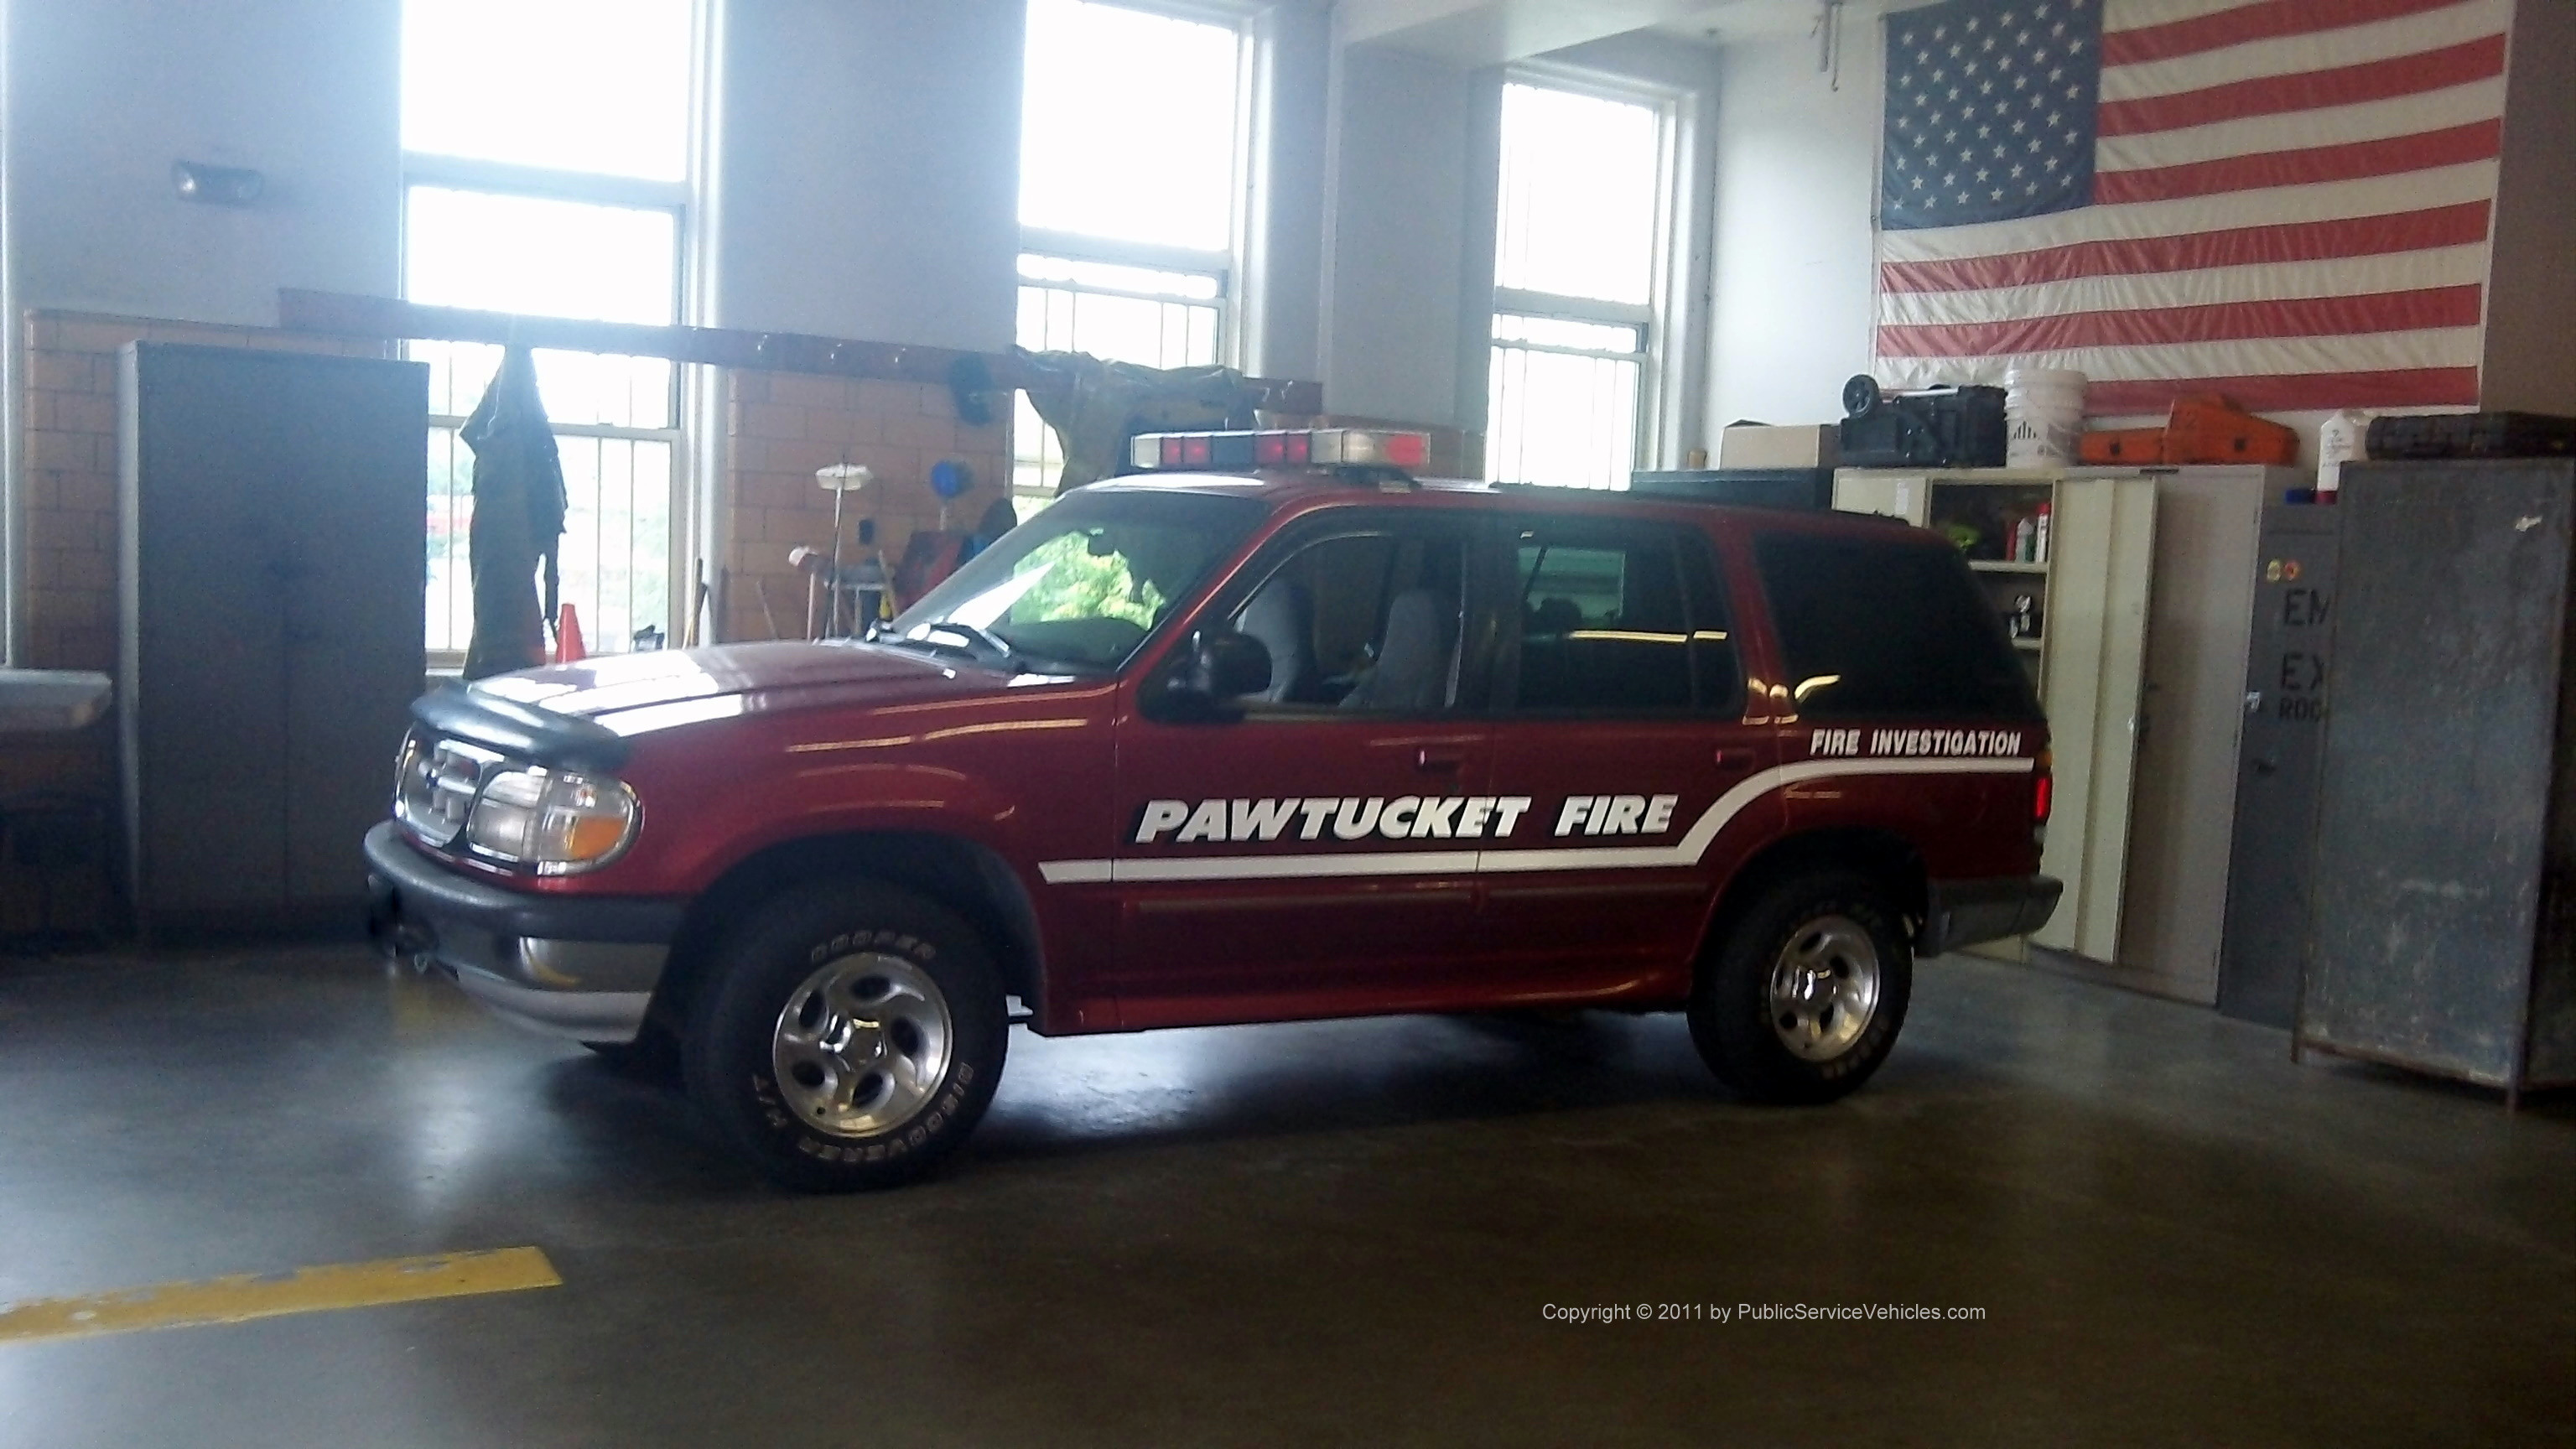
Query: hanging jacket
x,y
519,507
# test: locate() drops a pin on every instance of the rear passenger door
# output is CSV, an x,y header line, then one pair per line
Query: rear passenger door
x,y
1619,702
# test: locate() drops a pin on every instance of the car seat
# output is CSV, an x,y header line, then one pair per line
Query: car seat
x,y
1412,670
1280,616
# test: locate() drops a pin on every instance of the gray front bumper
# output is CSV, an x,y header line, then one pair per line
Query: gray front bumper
x,y
1969,912
578,967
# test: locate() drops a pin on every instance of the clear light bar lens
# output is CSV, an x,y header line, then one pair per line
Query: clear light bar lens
x,y
1289,448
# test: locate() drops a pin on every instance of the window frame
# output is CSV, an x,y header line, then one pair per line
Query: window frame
x,y
1226,265
1699,576
682,199
1471,660
1658,319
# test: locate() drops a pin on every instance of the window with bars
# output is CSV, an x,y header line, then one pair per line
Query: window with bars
x,y
538,189
1125,263
1579,241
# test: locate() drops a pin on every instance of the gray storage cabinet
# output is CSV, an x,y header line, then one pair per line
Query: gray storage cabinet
x,y
2444,899
2286,681
273,558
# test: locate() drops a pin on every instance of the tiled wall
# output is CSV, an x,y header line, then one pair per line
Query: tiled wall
x,y
780,427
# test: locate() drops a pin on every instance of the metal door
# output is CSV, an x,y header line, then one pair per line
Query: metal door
x,y
2268,879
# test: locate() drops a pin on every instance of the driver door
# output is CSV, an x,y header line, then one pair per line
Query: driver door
x,y
1310,852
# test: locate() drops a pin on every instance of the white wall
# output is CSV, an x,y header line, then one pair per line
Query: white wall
x,y
103,95
867,178
1396,199
1796,168
2530,359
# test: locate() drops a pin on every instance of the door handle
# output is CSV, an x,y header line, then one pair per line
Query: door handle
x,y
1734,758
2265,767
1438,762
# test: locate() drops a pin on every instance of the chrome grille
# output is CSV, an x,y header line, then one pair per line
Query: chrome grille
x,y
436,784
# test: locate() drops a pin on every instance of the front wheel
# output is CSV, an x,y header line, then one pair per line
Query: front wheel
x,y
1803,998
851,1039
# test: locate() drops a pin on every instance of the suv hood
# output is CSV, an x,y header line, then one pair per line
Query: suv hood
x,y
634,693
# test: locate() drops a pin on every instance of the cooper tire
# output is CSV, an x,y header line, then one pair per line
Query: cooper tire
x,y
851,1038
1802,998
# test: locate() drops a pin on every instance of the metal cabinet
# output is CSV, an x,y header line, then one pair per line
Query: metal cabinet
x,y
2443,919
2283,711
2087,653
273,562
2192,724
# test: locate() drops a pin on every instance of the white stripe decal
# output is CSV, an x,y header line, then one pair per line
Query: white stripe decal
x,y
1684,852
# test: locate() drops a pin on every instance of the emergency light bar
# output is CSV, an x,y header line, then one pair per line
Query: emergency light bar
x,y
1300,448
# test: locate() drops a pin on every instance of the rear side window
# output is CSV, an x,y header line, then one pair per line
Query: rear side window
x,y
1620,620
1870,628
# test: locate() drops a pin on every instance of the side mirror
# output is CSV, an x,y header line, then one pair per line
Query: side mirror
x,y
1220,666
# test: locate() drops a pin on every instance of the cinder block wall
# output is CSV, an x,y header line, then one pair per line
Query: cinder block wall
x,y
780,427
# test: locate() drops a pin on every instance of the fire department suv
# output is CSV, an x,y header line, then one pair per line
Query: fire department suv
x,y
1268,730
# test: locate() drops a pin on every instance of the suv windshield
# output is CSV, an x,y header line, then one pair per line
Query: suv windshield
x,y
1077,588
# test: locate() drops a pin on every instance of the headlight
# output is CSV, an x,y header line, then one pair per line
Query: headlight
x,y
560,822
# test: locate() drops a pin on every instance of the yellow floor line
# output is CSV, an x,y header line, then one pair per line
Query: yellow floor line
x,y
246,1296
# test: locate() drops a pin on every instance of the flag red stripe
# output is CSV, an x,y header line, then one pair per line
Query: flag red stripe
x,y
2422,387
2305,241
2216,322
2450,146
2349,85
2269,20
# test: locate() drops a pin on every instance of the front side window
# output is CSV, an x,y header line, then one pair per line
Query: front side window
x,y
1620,622
1366,620
546,190
1578,239
1078,590
1128,262
1876,630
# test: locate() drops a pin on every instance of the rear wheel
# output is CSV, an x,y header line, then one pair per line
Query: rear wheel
x,y
852,1037
1804,996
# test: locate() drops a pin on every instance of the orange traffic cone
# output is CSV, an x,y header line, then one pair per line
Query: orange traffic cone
x,y
568,645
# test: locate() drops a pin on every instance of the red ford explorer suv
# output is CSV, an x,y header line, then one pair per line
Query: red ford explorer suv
x,y
1278,733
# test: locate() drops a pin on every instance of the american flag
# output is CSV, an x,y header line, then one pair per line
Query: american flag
x,y
2284,201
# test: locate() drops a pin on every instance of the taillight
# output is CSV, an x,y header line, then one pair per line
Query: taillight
x,y
2040,791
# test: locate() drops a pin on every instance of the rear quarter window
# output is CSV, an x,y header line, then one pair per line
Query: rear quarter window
x,y
1874,628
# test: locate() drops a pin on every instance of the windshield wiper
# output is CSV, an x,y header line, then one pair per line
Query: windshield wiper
x,y
982,645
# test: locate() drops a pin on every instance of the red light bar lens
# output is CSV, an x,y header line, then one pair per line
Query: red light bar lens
x,y
1407,450
1171,450
1300,446
1194,450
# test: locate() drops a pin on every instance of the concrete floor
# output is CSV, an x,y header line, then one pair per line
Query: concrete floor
x,y
1345,1233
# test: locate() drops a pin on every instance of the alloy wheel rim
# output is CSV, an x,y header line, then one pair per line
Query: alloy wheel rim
x,y
862,1045
1824,988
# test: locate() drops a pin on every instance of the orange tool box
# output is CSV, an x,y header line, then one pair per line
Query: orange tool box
x,y
2201,428
2122,445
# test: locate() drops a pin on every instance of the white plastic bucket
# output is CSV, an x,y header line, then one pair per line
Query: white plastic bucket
x,y
2043,416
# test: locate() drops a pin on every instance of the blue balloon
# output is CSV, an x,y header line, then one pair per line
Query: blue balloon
x,y
947,479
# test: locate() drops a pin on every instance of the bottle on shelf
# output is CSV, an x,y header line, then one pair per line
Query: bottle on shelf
x,y
2039,535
